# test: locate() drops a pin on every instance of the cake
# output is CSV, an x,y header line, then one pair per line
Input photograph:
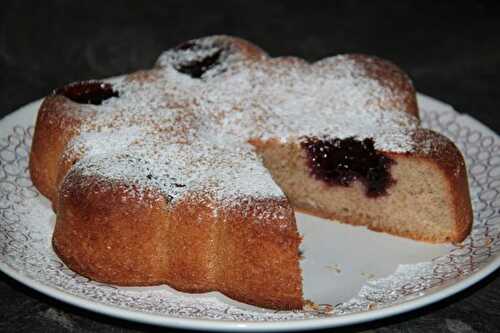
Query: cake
x,y
188,173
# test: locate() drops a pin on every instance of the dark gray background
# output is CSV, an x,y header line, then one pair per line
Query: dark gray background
x,y
450,49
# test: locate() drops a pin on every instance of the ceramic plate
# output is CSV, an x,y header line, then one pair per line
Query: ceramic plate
x,y
354,275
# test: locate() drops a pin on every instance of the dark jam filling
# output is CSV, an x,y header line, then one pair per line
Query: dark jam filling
x,y
343,161
91,92
196,68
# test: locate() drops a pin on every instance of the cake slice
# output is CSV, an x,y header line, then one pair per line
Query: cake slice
x,y
422,195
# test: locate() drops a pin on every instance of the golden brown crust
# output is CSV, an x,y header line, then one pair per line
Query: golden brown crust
x,y
57,122
184,245
244,47
90,213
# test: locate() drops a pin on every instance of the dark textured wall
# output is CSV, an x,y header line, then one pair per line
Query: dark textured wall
x,y
451,50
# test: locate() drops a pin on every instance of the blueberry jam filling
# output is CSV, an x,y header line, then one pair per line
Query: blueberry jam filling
x,y
343,161
91,92
199,66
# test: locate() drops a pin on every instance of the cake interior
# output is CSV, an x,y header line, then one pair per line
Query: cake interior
x,y
380,204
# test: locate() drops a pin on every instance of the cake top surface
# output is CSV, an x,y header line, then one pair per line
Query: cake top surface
x,y
185,125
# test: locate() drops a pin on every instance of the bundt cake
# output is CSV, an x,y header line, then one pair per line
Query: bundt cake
x,y
188,173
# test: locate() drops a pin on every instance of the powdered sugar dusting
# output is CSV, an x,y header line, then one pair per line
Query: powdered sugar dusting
x,y
180,134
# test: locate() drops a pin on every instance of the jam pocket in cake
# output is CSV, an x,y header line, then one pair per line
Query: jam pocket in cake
x,y
87,92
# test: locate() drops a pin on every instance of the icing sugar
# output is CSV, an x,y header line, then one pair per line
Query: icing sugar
x,y
180,134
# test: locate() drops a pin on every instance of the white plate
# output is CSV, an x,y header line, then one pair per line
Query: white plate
x,y
356,275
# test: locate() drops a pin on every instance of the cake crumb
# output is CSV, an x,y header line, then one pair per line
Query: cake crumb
x,y
334,268
321,308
